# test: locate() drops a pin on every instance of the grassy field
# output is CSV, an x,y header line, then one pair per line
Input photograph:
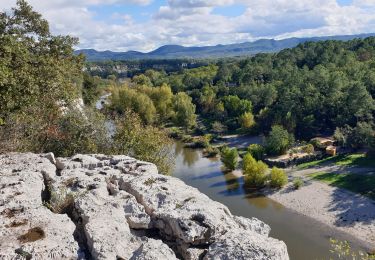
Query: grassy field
x,y
359,183
343,160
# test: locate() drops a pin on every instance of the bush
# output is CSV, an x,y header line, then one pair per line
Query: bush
x,y
144,142
42,130
278,178
218,128
256,150
278,141
229,157
211,151
309,148
254,171
297,183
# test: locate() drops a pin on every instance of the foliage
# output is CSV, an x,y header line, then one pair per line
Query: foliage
x,y
257,151
360,136
229,157
235,106
218,128
144,142
126,98
309,148
211,151
278,178
343,250
298,183
278,141
254,171
35,66
184,110
68,133
61,201
246,120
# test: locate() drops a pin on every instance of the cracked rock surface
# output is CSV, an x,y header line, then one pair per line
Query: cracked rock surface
x,y
116,207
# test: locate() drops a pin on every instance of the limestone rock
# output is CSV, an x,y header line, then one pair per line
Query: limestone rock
x,y
246,245
116,207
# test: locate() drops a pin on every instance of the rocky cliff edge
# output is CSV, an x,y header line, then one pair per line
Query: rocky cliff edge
x,y
116,207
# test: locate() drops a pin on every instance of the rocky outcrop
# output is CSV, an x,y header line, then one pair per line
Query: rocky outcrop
x,y
115,207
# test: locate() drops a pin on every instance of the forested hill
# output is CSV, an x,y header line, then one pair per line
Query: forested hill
x,y
231,50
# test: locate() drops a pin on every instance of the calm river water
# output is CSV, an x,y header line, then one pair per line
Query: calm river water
x,y
306,239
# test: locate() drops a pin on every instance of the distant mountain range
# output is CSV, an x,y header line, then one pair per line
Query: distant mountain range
x,y
218,51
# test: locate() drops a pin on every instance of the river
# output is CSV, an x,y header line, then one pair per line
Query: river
x,y
305,238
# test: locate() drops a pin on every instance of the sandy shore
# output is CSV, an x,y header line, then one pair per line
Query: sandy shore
x,y
341,209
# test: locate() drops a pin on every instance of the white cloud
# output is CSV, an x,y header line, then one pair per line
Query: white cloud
x,y
193,22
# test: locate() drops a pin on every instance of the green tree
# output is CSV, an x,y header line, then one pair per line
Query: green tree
x,y
256,150
229,157
254,171
125,98
278,141
144,142
247,120
184,110
35,66
278,178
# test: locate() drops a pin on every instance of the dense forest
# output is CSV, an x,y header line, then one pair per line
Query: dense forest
x,y
316,88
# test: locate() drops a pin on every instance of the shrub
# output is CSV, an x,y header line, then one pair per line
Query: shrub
x,y
254,171
309,148
278,178
61,201
297,183
144,142
211,151
229,157
218,127
278,141
256,150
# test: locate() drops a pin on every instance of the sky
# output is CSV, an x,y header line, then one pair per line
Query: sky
x,y
144,25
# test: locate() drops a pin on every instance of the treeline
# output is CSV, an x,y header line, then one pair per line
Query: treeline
x,y
313,89
130,68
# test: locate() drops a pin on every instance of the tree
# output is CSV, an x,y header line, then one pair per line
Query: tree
x,y
184,110
229,157
254,171
278,141
278,178
35,66
236,106
362,135
125,98
257,151
144,142
246,120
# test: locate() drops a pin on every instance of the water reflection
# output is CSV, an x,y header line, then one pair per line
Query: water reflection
x,y
190,156
232,181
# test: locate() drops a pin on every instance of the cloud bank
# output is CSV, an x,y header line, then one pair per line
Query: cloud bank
x,y
195,22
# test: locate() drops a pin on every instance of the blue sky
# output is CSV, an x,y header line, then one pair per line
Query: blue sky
x,y
144,25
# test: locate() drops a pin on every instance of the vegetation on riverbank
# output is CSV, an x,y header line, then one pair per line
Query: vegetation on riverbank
x,y
363,183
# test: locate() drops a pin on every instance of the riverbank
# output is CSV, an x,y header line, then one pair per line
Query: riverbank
x,y
348,212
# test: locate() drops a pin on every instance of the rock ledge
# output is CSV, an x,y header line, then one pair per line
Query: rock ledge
x,y
116,207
